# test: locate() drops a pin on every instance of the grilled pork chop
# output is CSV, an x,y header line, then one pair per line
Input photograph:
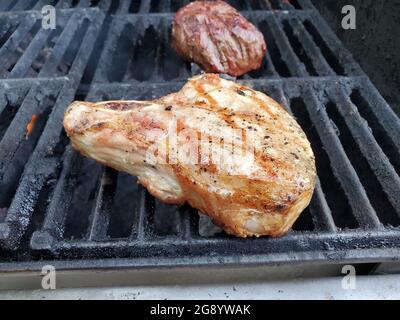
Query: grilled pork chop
x,y
231,152
218,38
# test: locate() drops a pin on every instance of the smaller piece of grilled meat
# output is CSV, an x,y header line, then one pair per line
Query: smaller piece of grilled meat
x,y
218,38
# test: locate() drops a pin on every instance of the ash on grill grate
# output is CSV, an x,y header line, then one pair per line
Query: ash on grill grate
x,y
32,140
24,101
23,5
147,6
28,50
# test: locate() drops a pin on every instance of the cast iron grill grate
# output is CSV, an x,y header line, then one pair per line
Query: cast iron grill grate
x,y
137,49
146,6
56,204
30,51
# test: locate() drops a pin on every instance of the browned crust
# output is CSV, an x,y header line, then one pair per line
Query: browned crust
x,y
275,210
234,46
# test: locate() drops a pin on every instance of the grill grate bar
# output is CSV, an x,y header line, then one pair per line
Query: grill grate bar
x,y
11,5
319,208
123,7
267,4
319,62
23,64
41,165
88,42
39,4
103,205
306,4
142,229
3,5
83,4
343,169
61,46
282,58
106,58
24,5
142,235
270,65
46,156
333,43
390,122
286,50
378,161
54,223
164,5
3,100
158,50
18,35
322,215
189,224
17,132
4,28
144,6
64,4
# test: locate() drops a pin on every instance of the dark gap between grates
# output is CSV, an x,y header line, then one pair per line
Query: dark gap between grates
x,y
9,179
11,5
377,130
6,117
29,164
166,219
93,61
298,48
273,51
286,4
337,201
156,6
84,185
94,3
295,4
23,69
326,51
20,49
304,222
145,55
114,6
123,52
134,6
377,197
104,5
39,211
136,57
30,4
124,206
138,49
7,33
32,51
258,5
70,54
175,5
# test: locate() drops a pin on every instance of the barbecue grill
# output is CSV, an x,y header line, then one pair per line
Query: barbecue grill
x,y
59,208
